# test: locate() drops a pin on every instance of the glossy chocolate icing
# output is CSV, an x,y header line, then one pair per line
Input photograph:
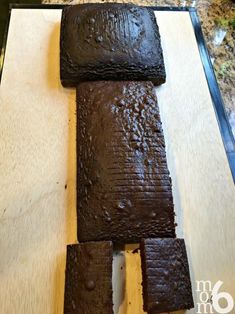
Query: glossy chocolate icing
x,y
88,280
124,188
166,278
110,41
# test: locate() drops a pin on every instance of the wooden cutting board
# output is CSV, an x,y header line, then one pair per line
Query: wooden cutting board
x,y
38,169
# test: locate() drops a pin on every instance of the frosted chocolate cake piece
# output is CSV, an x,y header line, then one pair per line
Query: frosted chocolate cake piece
x,y
124,188
166,278
110,41
88,278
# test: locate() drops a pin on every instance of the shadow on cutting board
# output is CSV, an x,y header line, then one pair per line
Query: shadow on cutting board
x,y
53,67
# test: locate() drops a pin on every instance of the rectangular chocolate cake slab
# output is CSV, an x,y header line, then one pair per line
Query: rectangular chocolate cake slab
x,y
124,189
166,278
88,280
110,41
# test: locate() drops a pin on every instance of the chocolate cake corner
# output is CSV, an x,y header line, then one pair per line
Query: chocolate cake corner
x,y
166,278
88,278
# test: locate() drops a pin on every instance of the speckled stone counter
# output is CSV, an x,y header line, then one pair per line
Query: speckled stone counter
x,y
218,24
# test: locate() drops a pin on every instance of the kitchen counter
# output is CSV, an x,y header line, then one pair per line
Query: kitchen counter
x,y
39,174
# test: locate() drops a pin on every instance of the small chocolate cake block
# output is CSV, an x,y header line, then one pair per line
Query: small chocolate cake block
x,y
124,188
110,41
88,278
166,278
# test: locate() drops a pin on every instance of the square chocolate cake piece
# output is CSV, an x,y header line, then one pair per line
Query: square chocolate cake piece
x,y
110,41
166,278
88,278
123,185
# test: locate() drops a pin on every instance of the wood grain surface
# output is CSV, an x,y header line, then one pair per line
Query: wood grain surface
x,y
38,169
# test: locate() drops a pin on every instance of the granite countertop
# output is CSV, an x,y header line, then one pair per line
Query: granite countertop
x,y
218,25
